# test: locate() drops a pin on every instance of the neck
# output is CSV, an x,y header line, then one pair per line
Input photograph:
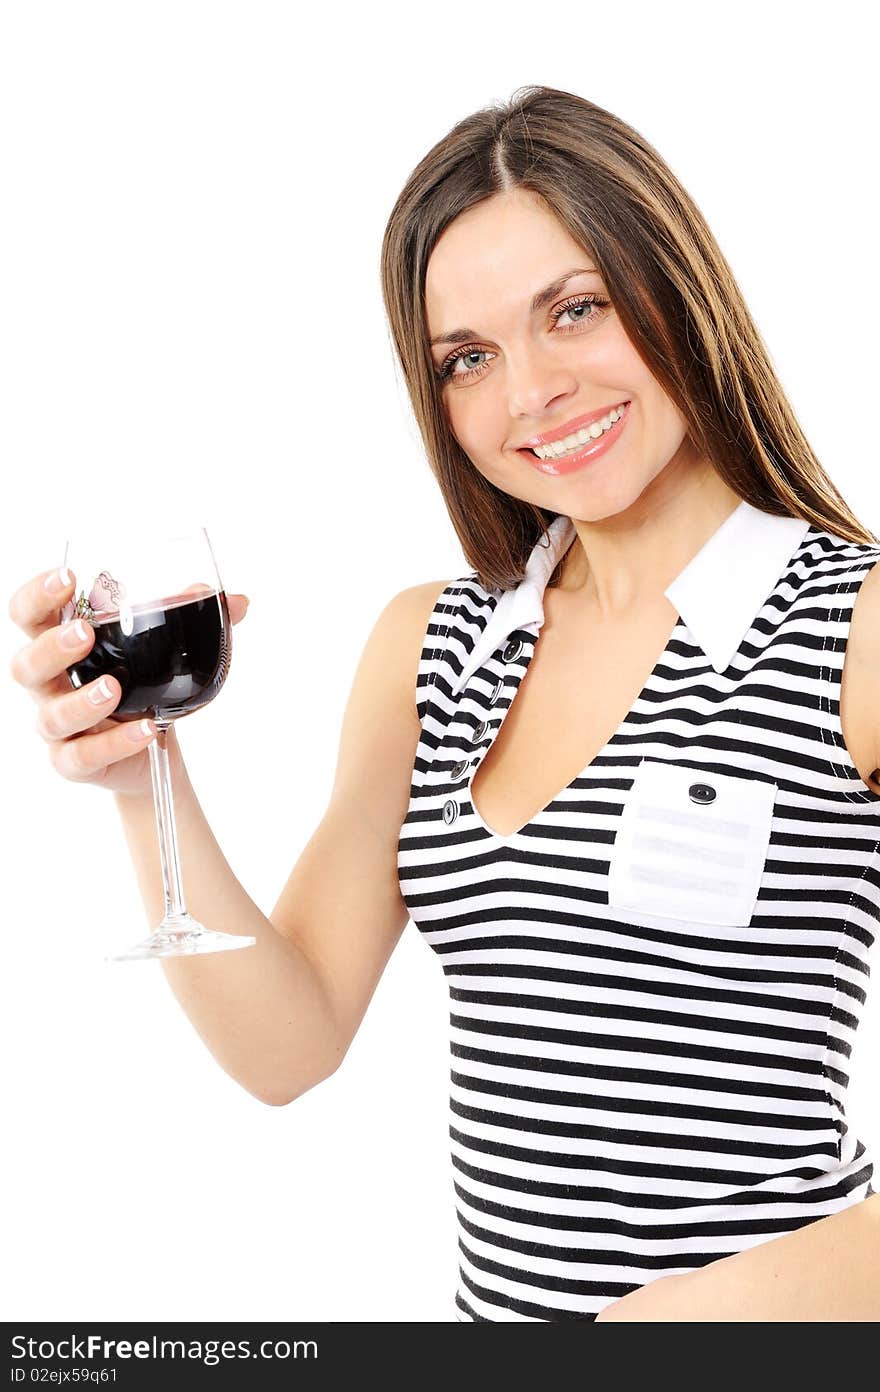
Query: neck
x,y
628,559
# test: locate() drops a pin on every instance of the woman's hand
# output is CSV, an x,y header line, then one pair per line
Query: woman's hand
x,y
666,1298
84,745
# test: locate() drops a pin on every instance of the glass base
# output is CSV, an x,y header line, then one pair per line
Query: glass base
x,y
181,937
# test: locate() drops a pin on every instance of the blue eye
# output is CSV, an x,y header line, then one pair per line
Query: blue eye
x,y
446,373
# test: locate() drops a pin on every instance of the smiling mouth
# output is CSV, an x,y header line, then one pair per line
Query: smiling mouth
x,y
579,439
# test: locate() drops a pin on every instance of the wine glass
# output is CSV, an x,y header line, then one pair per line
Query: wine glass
x,y
162,629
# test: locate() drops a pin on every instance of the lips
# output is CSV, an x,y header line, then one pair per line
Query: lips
x,y
570,427
582,456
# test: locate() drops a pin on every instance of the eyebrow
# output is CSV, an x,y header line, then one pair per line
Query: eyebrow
x,y
539,300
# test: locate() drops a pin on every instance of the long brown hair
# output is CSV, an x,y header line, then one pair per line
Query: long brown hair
x,y
667,278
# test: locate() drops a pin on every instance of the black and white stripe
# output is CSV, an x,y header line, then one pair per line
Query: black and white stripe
x,y
627,1100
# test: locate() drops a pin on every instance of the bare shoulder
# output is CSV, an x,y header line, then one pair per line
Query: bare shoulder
x,y
423,597
864,633
410,609
400,632
860,690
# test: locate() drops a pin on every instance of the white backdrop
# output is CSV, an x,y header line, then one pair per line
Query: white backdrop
x,y
194,196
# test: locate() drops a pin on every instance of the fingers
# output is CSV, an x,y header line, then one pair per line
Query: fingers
x,y
59,717
82,739
40,662
37,604
41,665
238,607
79,760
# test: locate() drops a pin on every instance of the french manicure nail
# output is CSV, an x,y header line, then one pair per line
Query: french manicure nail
x,y
74,634
140,731
100,693
57,581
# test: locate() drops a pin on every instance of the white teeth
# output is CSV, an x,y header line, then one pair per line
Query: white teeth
x,y
580,437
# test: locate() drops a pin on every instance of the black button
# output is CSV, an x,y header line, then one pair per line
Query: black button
x,y
450,811
512,650
481,730
460,769
702,792
498,690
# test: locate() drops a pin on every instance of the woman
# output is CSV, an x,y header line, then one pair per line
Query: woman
x,y
650,880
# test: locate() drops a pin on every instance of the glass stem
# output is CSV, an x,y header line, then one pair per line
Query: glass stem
x,y
163,801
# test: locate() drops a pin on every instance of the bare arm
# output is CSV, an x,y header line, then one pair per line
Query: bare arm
x,y
263,1012
828,1269
280,1016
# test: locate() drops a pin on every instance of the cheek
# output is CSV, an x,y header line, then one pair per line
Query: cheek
x,y
606,355
671,424
475,425
658,422
659,406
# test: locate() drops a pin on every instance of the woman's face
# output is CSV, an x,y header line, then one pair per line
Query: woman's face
x,y
519,372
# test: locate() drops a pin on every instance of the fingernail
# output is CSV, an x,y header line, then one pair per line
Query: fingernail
x,y
75,634
100,693
140,731
57,581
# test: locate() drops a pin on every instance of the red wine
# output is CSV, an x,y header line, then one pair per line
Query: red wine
x,y
174,659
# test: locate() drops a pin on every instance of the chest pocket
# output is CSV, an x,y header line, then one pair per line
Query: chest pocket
x,y
691,845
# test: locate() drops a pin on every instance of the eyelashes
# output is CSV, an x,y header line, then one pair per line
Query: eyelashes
x,y
446,373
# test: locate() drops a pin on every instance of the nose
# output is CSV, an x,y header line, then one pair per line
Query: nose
x,y
536,384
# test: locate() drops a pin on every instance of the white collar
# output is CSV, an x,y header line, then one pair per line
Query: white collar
x,y
717,594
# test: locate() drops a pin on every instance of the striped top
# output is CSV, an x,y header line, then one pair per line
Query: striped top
x,y
655,984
